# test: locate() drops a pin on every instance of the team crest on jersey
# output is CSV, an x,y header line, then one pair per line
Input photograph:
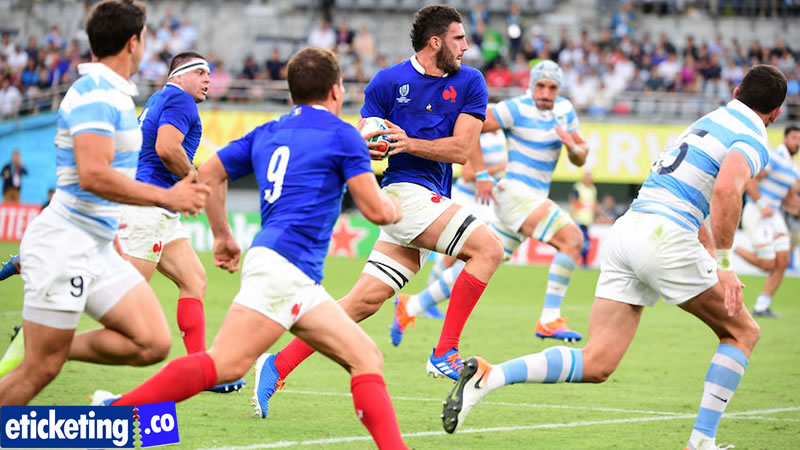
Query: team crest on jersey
x,y
403,92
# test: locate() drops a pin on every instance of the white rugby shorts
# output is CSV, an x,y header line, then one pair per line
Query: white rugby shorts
x,y
647,256
68,271
763,231
277,288
149,229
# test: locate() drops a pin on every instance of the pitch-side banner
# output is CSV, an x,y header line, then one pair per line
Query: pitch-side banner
x,y
354,236
620,153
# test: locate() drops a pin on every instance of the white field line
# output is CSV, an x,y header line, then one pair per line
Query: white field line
x,y
526,405
659,416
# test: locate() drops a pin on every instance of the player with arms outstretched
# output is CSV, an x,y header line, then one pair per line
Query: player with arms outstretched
x,y
662,248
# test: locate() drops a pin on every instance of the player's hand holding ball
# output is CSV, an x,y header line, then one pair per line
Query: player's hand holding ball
x,y
374,130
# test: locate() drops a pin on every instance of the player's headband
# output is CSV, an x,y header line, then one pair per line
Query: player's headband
x,y
189,66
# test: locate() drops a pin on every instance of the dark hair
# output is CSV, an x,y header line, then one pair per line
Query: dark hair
x,y
112,23
763,88
789,129
312,72
183,57
433,20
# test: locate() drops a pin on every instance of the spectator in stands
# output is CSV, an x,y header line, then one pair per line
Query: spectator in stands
x,y
53,38
188,34
30,74
581,93
364,45
275,65
250,69
17,59
32,49
220,81
514,27
688,74
478,21
10,98
732,72
623,21
12,178
322,35
153,69
6,46
607,211
498,75
344,38
602,101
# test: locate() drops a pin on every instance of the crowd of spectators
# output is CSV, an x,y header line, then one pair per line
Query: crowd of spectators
x,y
598,66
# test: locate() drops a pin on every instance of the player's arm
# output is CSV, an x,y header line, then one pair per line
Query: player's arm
x,y
468,173
704,236
169,147
791,203
93,156
453,149
226,250
577,148
726,208
377,206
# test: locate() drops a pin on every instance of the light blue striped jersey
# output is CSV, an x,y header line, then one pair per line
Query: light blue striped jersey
x,y
99,102
682,177
781,175
493,147
533,145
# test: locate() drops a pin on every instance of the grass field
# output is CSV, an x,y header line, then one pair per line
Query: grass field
x,y
650,402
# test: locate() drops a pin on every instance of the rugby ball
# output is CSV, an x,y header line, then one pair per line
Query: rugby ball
x,y
372,124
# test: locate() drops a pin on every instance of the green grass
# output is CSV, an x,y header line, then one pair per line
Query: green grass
x,y
662,372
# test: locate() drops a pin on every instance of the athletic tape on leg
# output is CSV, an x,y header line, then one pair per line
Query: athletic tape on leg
x,y
456,232
389,271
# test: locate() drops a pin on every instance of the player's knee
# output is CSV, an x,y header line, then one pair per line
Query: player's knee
x,y
194,284
359,307
782,261
154,350
575,242
766,264
750,334
368,360
596,369
491,251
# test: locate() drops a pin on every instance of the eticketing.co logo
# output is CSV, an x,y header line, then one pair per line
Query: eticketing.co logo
x,y
88,426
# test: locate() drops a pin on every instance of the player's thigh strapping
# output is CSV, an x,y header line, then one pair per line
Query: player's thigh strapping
x,y
69,271
276,288
421,207
647,256
149,229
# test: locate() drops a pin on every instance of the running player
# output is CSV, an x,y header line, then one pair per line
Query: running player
x,y
70,263
764,222
302,163
154,238
446,268
537,125
662,248
434,107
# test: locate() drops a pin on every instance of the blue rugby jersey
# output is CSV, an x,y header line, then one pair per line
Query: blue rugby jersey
x,y
169,106
99,102
301,162
425,107
533,144
682,179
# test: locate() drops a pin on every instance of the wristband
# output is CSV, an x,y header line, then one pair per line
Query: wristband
x,y
483,175
723,258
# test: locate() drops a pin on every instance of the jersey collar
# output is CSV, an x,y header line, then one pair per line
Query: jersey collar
x,y
418,67
737,105
97,70
174,85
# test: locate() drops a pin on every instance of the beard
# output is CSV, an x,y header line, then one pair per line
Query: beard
x,y
446,61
